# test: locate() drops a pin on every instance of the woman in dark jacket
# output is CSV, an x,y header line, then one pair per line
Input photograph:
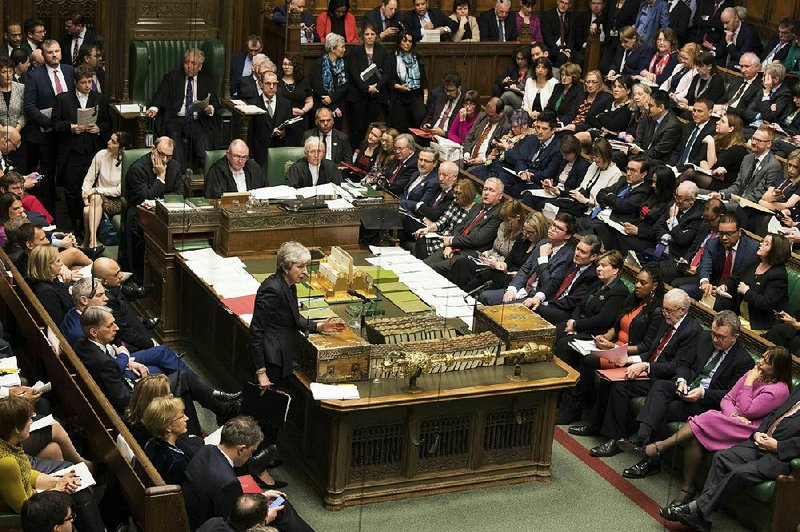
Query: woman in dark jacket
x,y
294,87
615,115
637,325
570,172
165,419
567,94
632,57
664,60
708,84
510,86
595,98
409,85
619,14
369,98
329,78
762,289
44,265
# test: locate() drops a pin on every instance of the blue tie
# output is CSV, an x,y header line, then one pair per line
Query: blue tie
x,y
685,153
624,192
189,98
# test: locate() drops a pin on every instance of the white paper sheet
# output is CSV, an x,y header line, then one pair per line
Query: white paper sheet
x,y
82,471
387,251
338,204
214,438
41,423
12,379
324,392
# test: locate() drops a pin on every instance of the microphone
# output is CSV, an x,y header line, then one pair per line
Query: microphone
x,y
481,288
362,297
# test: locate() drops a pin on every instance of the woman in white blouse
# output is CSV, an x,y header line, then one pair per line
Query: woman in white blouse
x,y
539,87
102,186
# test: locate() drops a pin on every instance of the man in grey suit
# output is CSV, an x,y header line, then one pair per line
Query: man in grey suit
x,y
758,171
337,144
545,267
490,125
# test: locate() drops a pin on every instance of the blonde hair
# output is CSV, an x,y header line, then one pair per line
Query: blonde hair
x,y
39,262
160,414
144,392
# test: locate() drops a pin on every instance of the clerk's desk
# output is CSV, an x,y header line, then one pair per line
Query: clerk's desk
x,y
244,234
467,429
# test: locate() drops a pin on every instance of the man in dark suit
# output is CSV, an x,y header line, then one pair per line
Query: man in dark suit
x,y
556,30
242,63
178,116
490,126
12,38
337,144
739,37
701,380
744,92
77,34
22,63
759,169
235,172
78,143
422,17
693,149
313,169
680,15
419,188
765,456
90,55
535,158
731,253
657,135
385,20
116,371
405,164
211,487
496,24
678,273
34,34
580,278
778,47
446,106
439,196
625,197
593,21
673,341
544,269
776,99
41,89
476,233
264,128
153,175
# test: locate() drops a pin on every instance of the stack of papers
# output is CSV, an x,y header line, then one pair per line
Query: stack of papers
x,y
323,392
226,275
9,372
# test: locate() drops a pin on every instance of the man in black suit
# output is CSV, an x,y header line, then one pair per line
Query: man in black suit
x,y
625,197
498,24
563,294
701,380
265,132
680,15
249,87
765,456
420,187
556,32
34,34
544,269
422,17
674,339
21,59
405,164
178,117
593,21
535,158
657,135
446,106
235,172
439,196
778,47
337,144
745,92
211,487
313,169
41,87
739,37
12,38
242,63
91,55
77,34
385,20
115,371
153,175
78,143
693,149
678,273
476,233
776,99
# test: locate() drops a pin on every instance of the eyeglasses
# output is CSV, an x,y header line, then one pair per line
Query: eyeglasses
x,y
238,157
718,336
69,518
764,141
558,228
728,233
164,155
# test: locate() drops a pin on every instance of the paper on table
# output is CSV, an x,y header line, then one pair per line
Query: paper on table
x,y
199,254
41,423
409,267
80,469
237,103
615,354
214,438
338,204
277,192
327,189
129,108
250,109
326,392
388,251
11,379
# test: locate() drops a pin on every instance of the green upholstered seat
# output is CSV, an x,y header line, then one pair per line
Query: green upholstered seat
x,y
628,283
278,161
794,289
212,156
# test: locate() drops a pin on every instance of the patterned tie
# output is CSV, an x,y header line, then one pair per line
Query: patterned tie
x,y
189,97
792,411
59,86
75,51
710,365
442,124
481,140
726,268
565,284
663,343
468,228
688,149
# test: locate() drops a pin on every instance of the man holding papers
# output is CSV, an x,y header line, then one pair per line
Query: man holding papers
x,y
267,129
622,201
535,158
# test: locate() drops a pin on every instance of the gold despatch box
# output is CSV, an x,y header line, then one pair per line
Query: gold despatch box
x,y
343,357
516,325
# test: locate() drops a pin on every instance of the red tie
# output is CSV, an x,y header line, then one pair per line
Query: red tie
x,y
59,86
564,285
699,254
726,268
396,171
663,343
793,410
445,114
531,281
75,51
467,229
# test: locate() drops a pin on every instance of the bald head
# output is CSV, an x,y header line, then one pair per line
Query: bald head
x,y
108,271
10,139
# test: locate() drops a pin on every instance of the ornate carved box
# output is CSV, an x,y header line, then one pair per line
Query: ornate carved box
x,y
516,325
343,357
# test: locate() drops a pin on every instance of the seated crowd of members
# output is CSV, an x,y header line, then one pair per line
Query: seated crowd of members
x,y
622,154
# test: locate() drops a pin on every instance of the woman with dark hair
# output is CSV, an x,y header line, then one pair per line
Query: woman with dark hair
x,y
329,78
595,98
468,30
708,84
409,85
619,14
664,60
10,207
762,290
637,323
539,87
385,157
293,86
572,169
337,19
366,155
102,189
757,393
567,94
369,98
632,57
524,16
614,117
510,86
467,115
725,151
